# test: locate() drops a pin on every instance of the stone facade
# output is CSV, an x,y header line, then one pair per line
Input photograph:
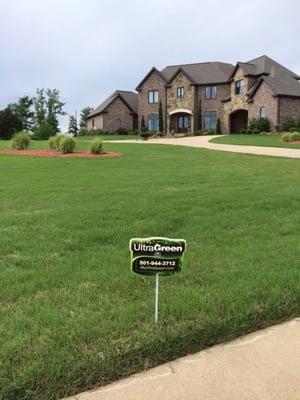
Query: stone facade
x,y
223,91
288,107
116,115
154,82
262,98
181,105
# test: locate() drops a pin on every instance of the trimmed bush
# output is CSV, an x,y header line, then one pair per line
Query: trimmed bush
x,y
295,136
285,137
97,147
291,123
54,142
255,131
122,131
21,141
259,124
67,145
291,137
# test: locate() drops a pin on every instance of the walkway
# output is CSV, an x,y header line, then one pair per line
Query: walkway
x,y
263,365
203,142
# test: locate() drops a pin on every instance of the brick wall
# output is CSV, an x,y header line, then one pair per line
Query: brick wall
x,y
153,82
264,98
117,110
288,108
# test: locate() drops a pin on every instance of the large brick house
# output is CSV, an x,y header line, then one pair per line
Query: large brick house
x,y
194,97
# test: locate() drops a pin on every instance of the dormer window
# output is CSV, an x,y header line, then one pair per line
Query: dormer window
x,y
153,96
180,92
239,87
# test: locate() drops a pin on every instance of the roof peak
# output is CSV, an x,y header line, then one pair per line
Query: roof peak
x,y
197,63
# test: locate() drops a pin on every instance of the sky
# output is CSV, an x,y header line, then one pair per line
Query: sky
x,y
89,48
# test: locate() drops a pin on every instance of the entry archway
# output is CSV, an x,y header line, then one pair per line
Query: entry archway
x,y
238,120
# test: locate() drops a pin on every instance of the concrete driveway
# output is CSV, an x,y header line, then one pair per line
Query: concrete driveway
x,y
263,365
203,142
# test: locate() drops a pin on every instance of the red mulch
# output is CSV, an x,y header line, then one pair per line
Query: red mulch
x,y
53,153
296,142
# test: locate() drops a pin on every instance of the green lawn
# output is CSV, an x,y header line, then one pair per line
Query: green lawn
x,y
72,314
255,140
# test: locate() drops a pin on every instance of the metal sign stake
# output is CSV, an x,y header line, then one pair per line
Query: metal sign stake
x,y
156,298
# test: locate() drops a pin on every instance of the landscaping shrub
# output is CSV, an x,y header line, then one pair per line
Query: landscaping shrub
x,y
291,123
244,131
54,142
259,124
295,136
122,131
67,145
97,147
294,130
291,136
218,129
21,141
255,131
286,137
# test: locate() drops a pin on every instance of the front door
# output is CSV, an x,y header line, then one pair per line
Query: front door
x,y
183,123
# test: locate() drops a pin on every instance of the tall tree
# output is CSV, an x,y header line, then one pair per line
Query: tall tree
x,y
73,128
40,108
10,122
160,118
48,107
54,108
23,109
84,113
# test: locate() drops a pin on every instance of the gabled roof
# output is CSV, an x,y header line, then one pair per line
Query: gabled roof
x,y
153,69
129,98
201,73
281,80
180,69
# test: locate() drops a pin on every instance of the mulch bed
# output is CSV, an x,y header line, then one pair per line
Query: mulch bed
x,y
296,142
53,153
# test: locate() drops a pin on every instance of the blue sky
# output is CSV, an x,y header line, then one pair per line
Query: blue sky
x,y
87,49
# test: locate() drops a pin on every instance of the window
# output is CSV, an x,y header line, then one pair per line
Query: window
x,y
210,120
263,112
210,92
118,123
93,123
239,86
153,124
180,92
183,122
153,96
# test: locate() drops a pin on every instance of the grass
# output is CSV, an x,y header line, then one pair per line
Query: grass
x,y
72,314
255,140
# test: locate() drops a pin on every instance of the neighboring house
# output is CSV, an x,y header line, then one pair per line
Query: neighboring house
x,y
118,112
195,96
